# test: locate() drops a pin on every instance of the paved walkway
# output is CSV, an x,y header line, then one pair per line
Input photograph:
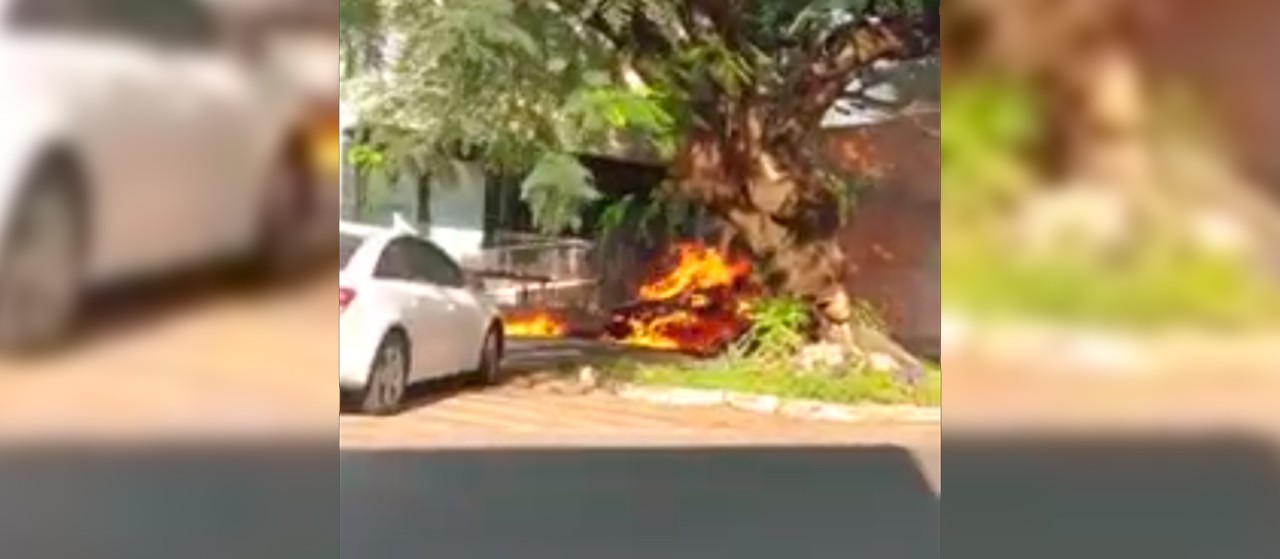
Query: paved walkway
x,y
539,416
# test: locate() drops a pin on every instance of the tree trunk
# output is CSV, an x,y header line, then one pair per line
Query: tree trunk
x,y
784,210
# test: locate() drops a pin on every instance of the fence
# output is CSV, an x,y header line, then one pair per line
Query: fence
x,y
524,270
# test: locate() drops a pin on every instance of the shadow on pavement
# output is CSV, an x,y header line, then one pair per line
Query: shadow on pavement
x,y
125,308
623,504
1210,497
526,357
1159,496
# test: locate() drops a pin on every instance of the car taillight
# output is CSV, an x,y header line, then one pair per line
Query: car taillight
x,y
345,296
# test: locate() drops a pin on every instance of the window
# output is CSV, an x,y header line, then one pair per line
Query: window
x,y
432,263
56,15
169,23
411,259
174,23
347,247
394,263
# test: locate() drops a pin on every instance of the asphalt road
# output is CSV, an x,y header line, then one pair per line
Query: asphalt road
x,y
868,501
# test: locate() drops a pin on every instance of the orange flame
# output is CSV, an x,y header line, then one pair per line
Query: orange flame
x,y
540,324
700,268
698,305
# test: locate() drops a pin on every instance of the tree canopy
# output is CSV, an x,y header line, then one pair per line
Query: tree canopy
x,y
523,84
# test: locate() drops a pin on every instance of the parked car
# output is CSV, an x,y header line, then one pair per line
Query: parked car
x,y
139,138
407,313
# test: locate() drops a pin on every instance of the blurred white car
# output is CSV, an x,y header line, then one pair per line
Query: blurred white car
x,y
138,138
407,313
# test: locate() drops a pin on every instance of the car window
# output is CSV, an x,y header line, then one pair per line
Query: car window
x,y
394,262
173,23
432,263
417,260
347,247
169,23
56,15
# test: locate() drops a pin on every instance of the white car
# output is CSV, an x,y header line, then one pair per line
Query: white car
x,y
137,139
407,313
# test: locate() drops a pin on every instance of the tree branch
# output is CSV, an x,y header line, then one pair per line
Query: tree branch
x,y
831,63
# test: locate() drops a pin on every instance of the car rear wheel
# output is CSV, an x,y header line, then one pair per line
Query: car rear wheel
x,y
288,218
40,274
384,392
489,370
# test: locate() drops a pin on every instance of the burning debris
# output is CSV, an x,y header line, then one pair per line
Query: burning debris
x,y
537,324
698,304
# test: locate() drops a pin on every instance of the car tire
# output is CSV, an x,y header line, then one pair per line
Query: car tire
x,y
282,248
489,370
388,382
41,287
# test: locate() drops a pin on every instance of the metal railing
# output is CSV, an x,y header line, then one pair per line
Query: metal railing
x,y
526,270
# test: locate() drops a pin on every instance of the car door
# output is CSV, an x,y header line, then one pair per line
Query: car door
x,y
421,307
196,105
109,82
463,318
223,100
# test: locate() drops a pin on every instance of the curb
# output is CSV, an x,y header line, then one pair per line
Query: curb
x,y
809,410
1099,351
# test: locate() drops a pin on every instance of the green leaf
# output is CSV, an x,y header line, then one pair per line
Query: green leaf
x,y
557,190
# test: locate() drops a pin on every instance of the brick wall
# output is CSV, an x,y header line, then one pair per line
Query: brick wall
x,y
892,240
1225,50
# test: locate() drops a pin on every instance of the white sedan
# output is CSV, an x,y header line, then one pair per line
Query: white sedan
x,y
407,314
137,139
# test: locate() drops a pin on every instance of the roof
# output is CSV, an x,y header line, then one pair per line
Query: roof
x,y
400,226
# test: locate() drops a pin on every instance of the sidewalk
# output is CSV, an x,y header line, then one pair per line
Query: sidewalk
x,y
1035,374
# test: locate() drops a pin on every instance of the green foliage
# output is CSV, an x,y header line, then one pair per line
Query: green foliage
x,y
556,190
869,317
988,121
520,84
664,212
359,36
614,215
1156,287
758,377
779,329
764,361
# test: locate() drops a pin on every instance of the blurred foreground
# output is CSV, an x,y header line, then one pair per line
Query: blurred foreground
x,y
189,356
1111,215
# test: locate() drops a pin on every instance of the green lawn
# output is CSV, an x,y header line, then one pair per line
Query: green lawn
x,y
1149,290
747,377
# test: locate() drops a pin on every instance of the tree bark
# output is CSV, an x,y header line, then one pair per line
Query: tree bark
x,y
782,209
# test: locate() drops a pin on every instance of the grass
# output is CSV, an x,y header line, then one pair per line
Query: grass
x,y
753,377
763,362
1154,290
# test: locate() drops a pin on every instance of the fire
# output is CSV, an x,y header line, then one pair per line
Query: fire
x,y
699,269
540,324
698,305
